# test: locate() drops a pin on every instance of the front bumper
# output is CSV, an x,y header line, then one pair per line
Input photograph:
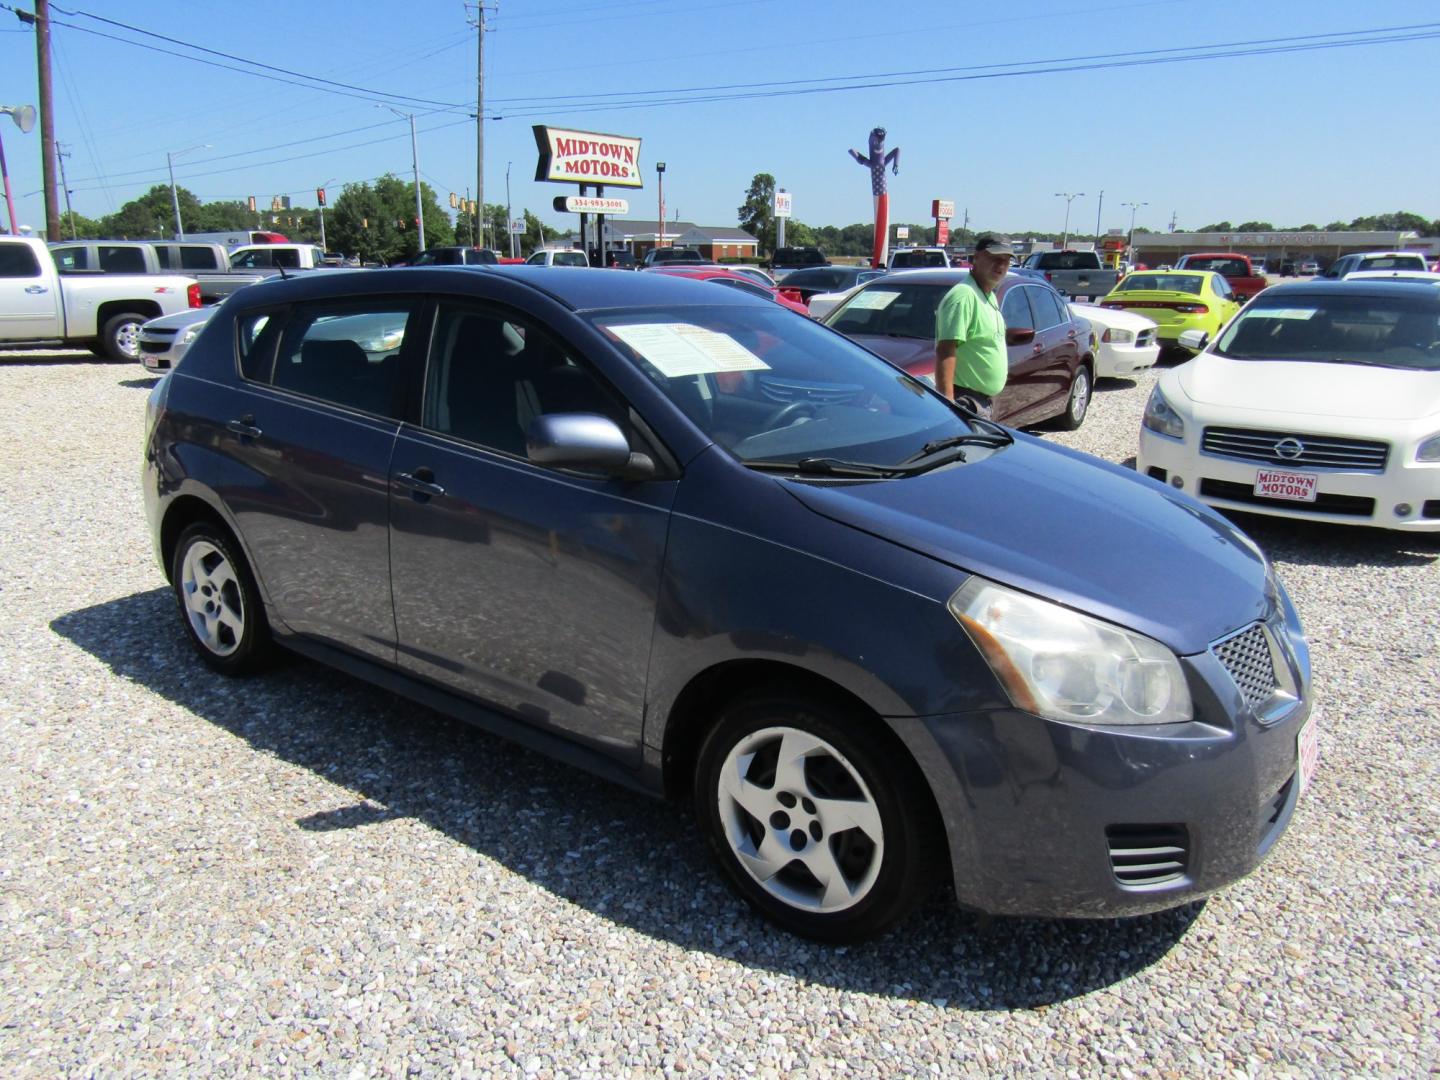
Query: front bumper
x,y
1120,360
1343,497
1068,821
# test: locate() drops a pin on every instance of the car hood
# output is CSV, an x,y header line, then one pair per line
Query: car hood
x,y
1061,525
1310,388
182,319
902,352
1122,320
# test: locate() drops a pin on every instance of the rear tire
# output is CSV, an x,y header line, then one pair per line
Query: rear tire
x,y
120,337
1076,408
815,822
218,600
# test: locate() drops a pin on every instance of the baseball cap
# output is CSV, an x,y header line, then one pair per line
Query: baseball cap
x,y
995,244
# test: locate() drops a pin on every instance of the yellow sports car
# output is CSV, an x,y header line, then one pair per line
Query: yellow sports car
x,y
1178,300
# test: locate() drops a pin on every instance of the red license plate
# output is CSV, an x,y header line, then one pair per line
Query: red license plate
x,y
1277,484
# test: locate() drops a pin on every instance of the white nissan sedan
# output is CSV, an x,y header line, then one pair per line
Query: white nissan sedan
x,y
1320,401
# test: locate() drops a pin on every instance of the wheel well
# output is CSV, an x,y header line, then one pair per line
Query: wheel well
x,y
181,514
105,312
708,693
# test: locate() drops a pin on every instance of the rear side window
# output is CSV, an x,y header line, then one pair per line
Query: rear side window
x,y
18,261
258,332
347,353
121,260
198,258
68,260
162,256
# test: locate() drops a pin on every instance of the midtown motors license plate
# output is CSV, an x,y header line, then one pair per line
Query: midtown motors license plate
x,y
1275,484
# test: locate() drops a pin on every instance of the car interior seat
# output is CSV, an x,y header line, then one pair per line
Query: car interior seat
x,y
486,383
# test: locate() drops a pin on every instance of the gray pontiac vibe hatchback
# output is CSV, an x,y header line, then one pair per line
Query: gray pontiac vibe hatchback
x,y
711,549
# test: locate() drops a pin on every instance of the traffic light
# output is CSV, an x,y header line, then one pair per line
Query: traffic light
x,y
454,200
252,204
319,196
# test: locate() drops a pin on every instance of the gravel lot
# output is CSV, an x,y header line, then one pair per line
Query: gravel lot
x,y
300,874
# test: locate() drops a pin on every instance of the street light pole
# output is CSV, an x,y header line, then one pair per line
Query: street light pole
x,y
170,156
24,117
415,161
508,230
1069,197
1130,239
660,194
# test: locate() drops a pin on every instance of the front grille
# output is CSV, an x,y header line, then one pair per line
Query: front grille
x,y
1349,505
1148,854
1246,656
1314,451
155,346
819,393
1431,509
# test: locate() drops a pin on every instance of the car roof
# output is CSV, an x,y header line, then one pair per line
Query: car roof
x,y
946,275
579,288
1418,290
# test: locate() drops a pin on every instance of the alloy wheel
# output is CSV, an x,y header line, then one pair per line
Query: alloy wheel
x,y
213,598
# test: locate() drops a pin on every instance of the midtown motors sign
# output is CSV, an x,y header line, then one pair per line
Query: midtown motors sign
x,y
587,157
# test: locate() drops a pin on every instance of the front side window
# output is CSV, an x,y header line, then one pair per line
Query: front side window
x,y
347,353
18,261
1047,307
251,260
1385,331
1015,310
491,374
538,259
121,260
769,387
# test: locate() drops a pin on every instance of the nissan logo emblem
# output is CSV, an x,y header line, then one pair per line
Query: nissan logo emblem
x,y
1289,449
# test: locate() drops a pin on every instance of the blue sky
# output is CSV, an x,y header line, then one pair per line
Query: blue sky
x,y
1295,137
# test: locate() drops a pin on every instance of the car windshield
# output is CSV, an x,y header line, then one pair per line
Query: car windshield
x,y
1228,267
887,309
771,388
1387,331
1162,283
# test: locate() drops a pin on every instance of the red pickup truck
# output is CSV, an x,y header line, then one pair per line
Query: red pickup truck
x,y
1236,269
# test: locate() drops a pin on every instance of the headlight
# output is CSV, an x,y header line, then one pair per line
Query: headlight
x,y
1161,418
1062,665
1429,449
190,333
1117,336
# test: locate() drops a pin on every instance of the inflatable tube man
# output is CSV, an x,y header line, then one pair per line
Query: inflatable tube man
x,y
877,160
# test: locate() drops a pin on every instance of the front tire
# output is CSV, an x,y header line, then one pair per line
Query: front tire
x,y
120,337
1078,405
219,602
815,822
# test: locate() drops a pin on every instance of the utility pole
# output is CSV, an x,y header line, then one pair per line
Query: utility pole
x,y
419,207
1098,209
47,119
480,118
61,154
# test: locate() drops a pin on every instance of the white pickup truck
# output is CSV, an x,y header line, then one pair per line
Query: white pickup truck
x,y
268,256
40,309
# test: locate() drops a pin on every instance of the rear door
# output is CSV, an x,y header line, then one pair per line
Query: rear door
x,y
312,427
530,588
29,295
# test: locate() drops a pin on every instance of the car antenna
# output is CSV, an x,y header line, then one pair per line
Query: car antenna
x,y
283,276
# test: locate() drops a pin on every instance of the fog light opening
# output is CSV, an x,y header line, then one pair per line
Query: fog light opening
x,y
1177,481
1403,509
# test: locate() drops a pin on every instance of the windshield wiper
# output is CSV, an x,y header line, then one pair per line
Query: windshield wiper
x,y
825,466
974,438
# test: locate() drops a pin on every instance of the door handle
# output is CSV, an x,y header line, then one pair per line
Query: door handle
x,y
244,427
420,482
36,290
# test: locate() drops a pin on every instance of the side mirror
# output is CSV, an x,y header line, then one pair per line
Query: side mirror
x,y
1194,340
1019,335
585,441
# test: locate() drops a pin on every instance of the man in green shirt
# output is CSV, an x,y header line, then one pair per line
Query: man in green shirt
x,y
970,358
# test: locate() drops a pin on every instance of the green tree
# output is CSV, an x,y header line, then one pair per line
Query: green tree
x,y
1219,226
1399,221
377,222
1255,226
757,212
152,215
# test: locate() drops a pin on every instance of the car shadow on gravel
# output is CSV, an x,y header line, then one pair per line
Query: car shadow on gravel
x,y
140,384
1321,543
46,359
615,853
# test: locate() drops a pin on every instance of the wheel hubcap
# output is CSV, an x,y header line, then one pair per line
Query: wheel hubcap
x,y
214,602
128,340
1082,395
800,820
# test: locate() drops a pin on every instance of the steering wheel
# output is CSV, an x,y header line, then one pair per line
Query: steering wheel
x,y
786,414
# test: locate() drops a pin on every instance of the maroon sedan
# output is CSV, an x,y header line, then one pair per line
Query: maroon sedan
x,y
721,276
1051,374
